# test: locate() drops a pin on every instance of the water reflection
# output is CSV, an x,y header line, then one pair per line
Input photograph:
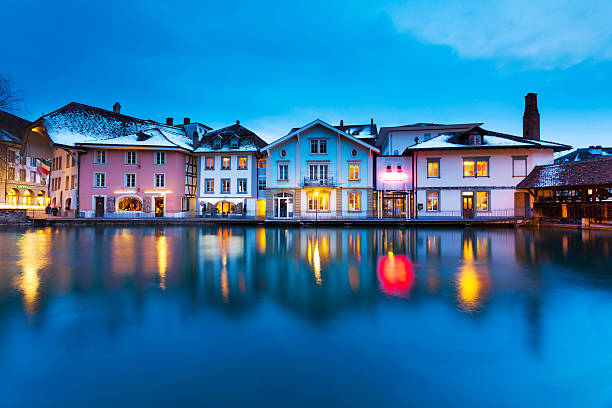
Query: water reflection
x,y
396,275
472,276
33,247
162,259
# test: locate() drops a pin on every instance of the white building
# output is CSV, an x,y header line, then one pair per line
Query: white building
x,y
395,140
231,172
475,173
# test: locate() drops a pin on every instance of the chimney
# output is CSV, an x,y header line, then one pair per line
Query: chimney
x,y
372,126
531,117
237,122
117,107
595,150
195,138
186,121
341,122
169,121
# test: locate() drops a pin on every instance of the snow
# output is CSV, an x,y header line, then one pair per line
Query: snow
x,y
442,142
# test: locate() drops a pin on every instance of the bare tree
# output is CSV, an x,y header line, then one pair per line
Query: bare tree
x,y
11,99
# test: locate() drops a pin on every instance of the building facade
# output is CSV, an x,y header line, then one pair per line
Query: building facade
x,y
230,169
317,172
393,195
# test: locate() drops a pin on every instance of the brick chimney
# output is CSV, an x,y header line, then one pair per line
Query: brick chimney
x,y
186,121
117,107
237,122
531,117
169,121
341,122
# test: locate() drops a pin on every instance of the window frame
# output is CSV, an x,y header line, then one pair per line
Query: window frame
x,y
246,163
351,195
229,186
206,160
95,180
351,176
229,161
488,198
99,158
155,184
212,185
476,160
433,160
126,159
519,158
125,180
246,186
159,158
279,173
437,193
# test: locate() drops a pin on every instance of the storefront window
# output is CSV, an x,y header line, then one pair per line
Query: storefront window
x,y
130,204
354,201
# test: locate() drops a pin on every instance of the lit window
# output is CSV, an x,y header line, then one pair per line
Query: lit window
x,y
242,185
99,157
432,200
225,185
11,173
482,201
225,163
261,163
130,158
210,163
321,197
283,172
476,168
130,180
160,158
210,185
100,179
433,168
160,180
468,168
354,201
242,162
353,172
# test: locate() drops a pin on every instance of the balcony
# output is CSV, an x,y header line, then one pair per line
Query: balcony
x,y
320,182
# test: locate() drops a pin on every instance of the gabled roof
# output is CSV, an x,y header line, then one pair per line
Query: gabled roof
x,y
247,140
319,122
383,133
77,124
571,174
12,127
490,139
359,131
592,152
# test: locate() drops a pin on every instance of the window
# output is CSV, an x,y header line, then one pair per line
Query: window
x,y
242,185
353,172
129,204
11,173
321,197
210,185
475,140
33,177
314,172
217,144
432,200
519,166
22,175
210,163
261,163
130,180
67,160
184,204
225,185
354,152
323,171
283,172
234,144
283,153
354,201
99,180
72,181
160,180
475,167
399,168
482,201
99,158
59,161
32,161
225,163
389,168
242,163
318,146
67,185
130,158
160,158
433,168
73,162
261,184
12,157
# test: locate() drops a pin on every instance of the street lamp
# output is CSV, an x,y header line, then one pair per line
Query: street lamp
x,y
316,194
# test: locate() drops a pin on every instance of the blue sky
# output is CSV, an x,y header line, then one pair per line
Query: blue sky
x,y
277,64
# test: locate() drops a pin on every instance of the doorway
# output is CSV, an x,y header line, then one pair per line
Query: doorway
x,y
283,205
159,206
99,207
468,204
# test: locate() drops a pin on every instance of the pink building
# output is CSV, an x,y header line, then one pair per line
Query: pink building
x,y
110,165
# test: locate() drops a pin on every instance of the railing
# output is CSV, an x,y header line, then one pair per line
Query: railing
x,y
503,213
573,211
323,182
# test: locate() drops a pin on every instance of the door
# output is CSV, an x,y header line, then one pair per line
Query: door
x,y
282,207
468,204
159,206
99,206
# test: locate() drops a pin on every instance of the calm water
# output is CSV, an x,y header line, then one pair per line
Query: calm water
x,y
289,317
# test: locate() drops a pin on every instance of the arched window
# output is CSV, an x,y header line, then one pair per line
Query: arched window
x,y
225,207
27,197
13,196
130,204
40,198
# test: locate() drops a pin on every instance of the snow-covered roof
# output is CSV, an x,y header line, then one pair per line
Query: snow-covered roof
x,y
234,138
461,140
588,153
594,172
12,127
319,122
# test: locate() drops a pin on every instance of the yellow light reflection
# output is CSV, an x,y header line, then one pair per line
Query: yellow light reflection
x,y
34,249
354,278
471,284
162,260
261,240
316,263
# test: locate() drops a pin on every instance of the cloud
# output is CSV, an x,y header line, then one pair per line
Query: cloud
x,y
542,34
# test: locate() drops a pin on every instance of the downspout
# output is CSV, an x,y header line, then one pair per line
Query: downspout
x,y
414,186
78,194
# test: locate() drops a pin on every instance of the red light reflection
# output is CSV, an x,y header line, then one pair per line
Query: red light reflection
x,y
396,275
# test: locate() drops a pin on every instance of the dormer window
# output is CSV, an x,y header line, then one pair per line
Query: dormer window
x,y
475,140
217,144
234,144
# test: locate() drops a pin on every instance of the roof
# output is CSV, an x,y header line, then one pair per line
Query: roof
x,y
319,122
360,131
570,174
460,140
383,133
592,152
77,124
12,127
247,140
